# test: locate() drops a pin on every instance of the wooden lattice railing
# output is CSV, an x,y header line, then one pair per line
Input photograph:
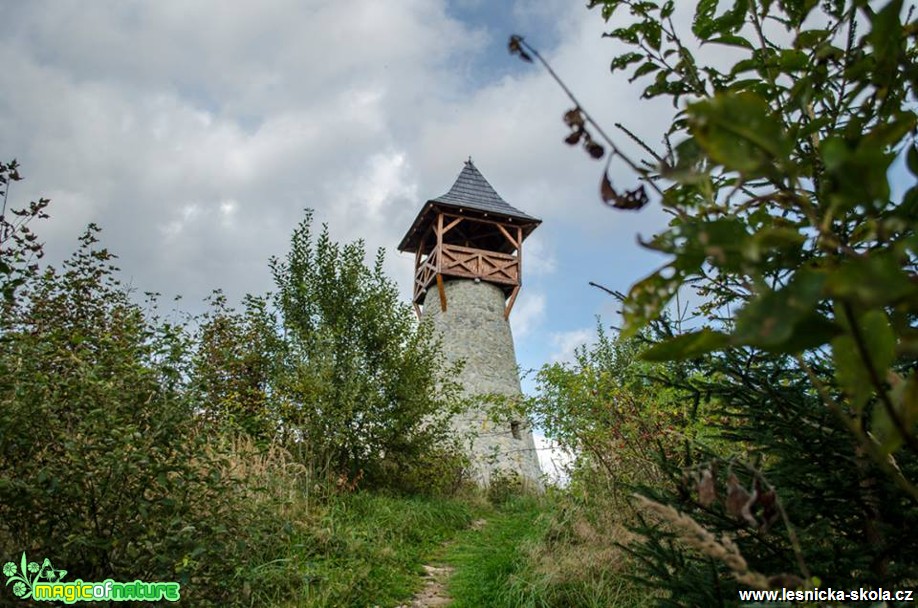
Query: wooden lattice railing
x,y
468,263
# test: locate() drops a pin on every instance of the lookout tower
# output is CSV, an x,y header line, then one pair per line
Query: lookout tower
x,y
468,252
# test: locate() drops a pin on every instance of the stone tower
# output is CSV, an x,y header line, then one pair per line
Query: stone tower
x,y
468,269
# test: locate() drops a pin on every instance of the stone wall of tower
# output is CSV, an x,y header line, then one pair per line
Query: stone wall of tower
x,y
473,329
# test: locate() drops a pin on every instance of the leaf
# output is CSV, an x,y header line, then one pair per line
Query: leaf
x,y
885,38
798,10
515,47
855,175
911,159
631,200
704,18
904,396
667,9
777,237
810,38
648,297
773,319
892,130
870,281
594,149
707,491
739,501
739,132
623,61
644,69
731,40
687,346
851,370
793,61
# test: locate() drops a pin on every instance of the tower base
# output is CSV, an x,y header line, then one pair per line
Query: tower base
x,y
473,329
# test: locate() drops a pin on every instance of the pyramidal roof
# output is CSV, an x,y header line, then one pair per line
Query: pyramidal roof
x,y
473,195
472,191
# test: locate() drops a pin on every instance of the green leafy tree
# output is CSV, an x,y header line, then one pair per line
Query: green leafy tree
x,y
607,407
363,388
19,246
778,172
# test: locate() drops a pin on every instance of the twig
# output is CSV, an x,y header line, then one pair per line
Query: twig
x,y
615,150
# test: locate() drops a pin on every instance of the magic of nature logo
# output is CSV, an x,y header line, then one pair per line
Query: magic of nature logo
x,y
44,583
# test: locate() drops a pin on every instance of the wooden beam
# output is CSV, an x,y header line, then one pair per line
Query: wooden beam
x,y
442,292
515,243
440,247
519,255
506,222
510,302
452,224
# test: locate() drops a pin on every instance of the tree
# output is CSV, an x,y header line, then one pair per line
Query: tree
x,y
362,387
777,175
19,246
235,365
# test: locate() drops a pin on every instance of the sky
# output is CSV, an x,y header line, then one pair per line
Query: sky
x,y
196,133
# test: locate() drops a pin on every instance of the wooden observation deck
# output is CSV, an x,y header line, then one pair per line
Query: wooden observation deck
x,y
468,233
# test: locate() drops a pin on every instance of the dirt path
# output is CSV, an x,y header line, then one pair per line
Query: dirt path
x,y
434,593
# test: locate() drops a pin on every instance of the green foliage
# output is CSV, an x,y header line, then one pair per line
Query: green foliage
x,y
102,464
135,448
783,221
782,173
362,387
234,365
19,246
607,408
504,486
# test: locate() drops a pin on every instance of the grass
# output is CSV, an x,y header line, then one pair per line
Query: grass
x,y
542,554
367,549
488,559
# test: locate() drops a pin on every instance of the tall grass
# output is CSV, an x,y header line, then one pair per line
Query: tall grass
x,y
367,549
316,544
543,553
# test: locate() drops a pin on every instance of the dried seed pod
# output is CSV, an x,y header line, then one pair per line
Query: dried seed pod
x,y
739,501
707,492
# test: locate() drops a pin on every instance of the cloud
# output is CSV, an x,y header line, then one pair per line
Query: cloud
x,y
196,134
528,314
565,343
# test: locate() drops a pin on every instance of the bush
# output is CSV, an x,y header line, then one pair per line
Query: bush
x,y
105,468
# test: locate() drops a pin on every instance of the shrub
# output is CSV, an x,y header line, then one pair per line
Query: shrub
x,y
105,468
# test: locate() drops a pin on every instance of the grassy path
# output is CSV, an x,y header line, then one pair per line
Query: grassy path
x,y
477,567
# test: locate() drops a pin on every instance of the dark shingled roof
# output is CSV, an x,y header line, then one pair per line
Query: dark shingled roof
x,y
475,196
472,191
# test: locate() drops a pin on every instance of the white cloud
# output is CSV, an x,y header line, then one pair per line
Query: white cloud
x,y
528,313
195,133
565,343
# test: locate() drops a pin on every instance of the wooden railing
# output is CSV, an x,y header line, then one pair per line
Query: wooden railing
x,y
465,262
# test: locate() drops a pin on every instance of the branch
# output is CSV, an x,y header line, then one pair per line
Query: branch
x,y
877,382
517,42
